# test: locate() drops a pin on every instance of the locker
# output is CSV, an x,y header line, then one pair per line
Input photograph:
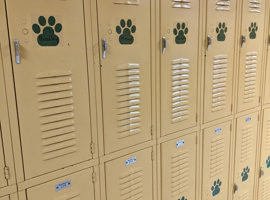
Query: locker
x,y
219,61
124,28
216,161
264,181
50,71
75,186
267,74
178,160
179,64
4,198
251,54
130,177
245,152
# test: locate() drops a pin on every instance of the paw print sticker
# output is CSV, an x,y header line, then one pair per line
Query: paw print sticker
x,y
180,33
183,198
221,31
216,188
268,162
252,30
126,29
244,174
47,36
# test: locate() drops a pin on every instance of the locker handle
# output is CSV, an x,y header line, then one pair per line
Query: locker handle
x,y
261,172
235,188
104,48
17,51
209,42
243,40
164,45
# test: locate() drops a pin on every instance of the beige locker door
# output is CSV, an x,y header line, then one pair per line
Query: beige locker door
x,y
219,62
126,72
245,152
4,198
179,64
216,161
267,80
251,54
130,177
264,181
51,83
178,164
75,186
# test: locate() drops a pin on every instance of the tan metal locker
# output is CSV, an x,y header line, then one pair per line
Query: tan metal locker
x,y
178,160
50,70
219,62
75,186
216,161
267,73
179,64
124,28
4,198
252,30
264,192
130,177
245,152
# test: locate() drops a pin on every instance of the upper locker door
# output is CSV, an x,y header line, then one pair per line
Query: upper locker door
x,y
124,27
267,74
219,62
264,182
50,70
179,64
253,13
245,156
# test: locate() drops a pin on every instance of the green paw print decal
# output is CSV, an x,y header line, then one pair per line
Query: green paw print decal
x,y
244,174
221,31
268,162
252,30
126,29
216,187
47,36
180,33
183,198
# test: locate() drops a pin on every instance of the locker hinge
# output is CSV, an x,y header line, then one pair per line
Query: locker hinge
x,y
94,177
92,147
7,173
152,155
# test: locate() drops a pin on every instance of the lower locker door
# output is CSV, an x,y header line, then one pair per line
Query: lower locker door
x,y
245,156
216,161
130,177
77,186
178,160
264,182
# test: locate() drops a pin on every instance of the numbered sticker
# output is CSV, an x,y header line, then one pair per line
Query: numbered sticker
x,y
248,119
63,185
180,143
131,161
218,130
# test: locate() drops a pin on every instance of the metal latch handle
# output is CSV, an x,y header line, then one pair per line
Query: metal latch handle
x,y
261,172
209,42
164,45
104,48
235,188
17,51
243,40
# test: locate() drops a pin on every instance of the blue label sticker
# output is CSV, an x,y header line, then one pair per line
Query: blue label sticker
x,y
218,130
63,185
180,143
131,161
248,119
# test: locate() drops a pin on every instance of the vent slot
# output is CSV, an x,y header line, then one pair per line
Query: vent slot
x,y
219,89
180,90
181,4
179,173
255,6
217,156
129,100
223,5
56,112
265,188
131,184
244,196
267,142
250,77
128,2
246,143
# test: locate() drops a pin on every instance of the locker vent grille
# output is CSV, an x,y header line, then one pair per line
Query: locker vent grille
x,y
220,70
244,196
180,89
255,6
179,173
131,184
129,102
268,136
246,143
181,4
223,5
128,2
217,156
56,112
250,77
266,191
